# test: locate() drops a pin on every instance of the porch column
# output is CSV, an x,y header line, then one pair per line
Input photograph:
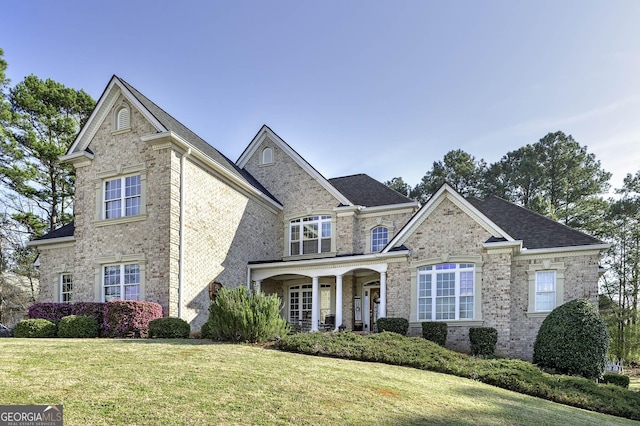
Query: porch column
x,y
338,301
382,310
315,304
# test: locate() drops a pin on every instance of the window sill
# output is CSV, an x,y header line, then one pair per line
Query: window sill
x,y
458,323
537,314
310,256
126,219
121,131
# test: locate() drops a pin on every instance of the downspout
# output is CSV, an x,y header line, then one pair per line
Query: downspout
x,y
249,278
181,231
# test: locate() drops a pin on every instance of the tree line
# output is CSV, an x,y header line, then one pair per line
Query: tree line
x,y
559,178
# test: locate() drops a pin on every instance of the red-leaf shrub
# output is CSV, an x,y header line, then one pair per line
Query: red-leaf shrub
x,y
124,318
50,311
94,310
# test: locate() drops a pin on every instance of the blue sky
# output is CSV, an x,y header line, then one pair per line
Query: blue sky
x,y
378,87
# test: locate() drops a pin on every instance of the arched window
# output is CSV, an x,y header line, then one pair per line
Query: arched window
x,y
122,119
379,238
267,156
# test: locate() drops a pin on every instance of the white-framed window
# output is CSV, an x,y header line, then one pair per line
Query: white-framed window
x,y
267,155
121,282
446,292
300,303
545,298
66,288
122,119
122,197
379,238
310,235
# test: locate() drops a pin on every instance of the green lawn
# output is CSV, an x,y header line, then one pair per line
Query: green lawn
x,y
147,382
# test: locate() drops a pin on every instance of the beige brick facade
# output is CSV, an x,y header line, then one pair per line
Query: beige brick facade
x,y
200,219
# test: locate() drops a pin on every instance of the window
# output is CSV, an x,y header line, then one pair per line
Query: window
x,y
122,119
379,238
545,291
121,282
66,288
267,156
310,235
446,292
300,303
119,202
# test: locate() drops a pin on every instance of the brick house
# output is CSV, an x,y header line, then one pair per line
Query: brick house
x,y
161,215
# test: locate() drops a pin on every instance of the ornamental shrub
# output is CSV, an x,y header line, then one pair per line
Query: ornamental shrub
x,y
50,310
483,340
394,325
616,379
128,318
573,339
239,316
94,310
76,326
36,327
205,331
169,328
435,332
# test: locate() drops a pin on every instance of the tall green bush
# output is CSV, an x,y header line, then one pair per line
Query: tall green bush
x,y
240,316
394,325
435,332
573,339
483,340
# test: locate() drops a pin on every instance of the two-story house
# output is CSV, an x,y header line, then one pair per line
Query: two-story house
x,y
161,215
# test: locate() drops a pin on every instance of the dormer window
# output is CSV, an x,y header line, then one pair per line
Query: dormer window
x,y
379,238
267,156
122,119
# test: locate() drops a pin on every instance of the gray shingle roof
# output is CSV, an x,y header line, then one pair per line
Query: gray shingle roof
x,y
64,231
535,230
183,131
363,190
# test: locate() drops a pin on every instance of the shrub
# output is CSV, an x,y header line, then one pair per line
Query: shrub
x,y
573,339
205,331
169,328
616,379
50,310
435,331
125,318
394,325
483,340
94,310
36,327
77,327
237,315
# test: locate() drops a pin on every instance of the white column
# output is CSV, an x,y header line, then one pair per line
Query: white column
x,y
257,286
338,301
382,310
315,304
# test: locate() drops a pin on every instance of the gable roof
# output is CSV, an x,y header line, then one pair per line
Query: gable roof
x,y
64,231
163,122
535,230
265,132
363,190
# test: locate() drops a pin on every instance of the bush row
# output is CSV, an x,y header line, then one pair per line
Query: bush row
x,y
516,375
117,318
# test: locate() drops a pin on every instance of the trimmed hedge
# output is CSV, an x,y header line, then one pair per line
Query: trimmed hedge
x,y
394,325
37,327
169,328
129,318
239,316
75,326
483,340
573,339
435,332
616,379
56,311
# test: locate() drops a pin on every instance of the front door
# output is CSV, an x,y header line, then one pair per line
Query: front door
x,y
372,307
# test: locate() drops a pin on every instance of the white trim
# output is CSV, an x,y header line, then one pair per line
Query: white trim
x,y
52,241
594,247
446,192
264,133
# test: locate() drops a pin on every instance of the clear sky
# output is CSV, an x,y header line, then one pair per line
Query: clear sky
x,y
378,87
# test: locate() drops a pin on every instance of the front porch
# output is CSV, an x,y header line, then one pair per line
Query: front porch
x,y
318,296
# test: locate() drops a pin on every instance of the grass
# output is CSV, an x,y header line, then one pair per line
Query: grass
x,y
182,382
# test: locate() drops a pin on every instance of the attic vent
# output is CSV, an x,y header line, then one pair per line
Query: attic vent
x,y
267,156
122,119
